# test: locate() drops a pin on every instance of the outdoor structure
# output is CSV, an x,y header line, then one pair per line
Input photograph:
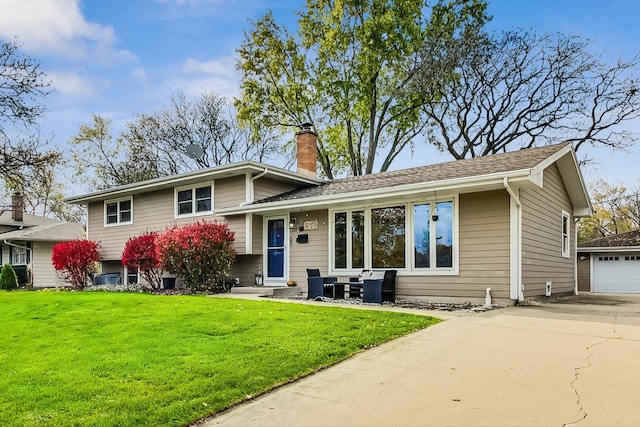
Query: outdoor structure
x,y
610,264
451,230
26,242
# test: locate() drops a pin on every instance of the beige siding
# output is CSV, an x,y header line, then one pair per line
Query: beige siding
x,y
542,259
584,272
154,211
309,255
246,267
43,275
229,192
257,234
237,224
484,254
266,187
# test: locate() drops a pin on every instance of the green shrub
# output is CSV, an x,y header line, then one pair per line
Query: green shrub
x,y
8,278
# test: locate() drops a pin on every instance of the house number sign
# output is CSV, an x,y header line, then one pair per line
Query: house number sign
x,y
311,225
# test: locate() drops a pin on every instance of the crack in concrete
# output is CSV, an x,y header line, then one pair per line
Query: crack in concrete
x,y
576,373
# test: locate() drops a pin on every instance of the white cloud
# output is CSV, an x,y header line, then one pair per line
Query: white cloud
x,y
194,2
56,28
219,75
139,73
70,83
224,66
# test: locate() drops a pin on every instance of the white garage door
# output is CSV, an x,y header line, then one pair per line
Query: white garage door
x,y
616,273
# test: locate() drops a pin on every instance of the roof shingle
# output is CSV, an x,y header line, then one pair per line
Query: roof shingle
x,y
513,161
631,238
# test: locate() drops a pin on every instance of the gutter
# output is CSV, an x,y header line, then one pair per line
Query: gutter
x,y
252,194
518,240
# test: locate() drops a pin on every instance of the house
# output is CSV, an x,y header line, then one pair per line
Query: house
x,y
452,230
26,242
610,264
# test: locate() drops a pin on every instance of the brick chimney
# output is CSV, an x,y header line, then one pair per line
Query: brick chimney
x,y
17,205
307,152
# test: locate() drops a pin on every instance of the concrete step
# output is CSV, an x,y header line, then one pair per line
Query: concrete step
x,y
278,291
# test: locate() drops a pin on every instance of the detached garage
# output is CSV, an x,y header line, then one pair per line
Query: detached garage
x,y
610,264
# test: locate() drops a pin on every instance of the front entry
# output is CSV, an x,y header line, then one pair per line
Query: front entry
x,y
275,267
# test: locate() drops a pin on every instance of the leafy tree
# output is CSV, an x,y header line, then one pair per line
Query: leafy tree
x,y
347,72
8,278
200,253
76,259
616,209
141,253
99,160
520,89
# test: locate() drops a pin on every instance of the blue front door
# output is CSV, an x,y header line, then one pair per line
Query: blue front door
x,y
276,240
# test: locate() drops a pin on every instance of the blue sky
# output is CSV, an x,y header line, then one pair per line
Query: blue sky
x,y
120,58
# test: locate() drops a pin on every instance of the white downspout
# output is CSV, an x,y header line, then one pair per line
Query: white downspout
x,y
517,239
575,254
252,194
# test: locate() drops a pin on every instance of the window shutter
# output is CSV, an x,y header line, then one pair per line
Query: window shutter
x,y
10,255
29,253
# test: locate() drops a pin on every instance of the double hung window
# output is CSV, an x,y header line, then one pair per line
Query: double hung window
x,y
19,256
194,200
566,229
118,212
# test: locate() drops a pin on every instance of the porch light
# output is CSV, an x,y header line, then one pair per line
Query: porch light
x,y
258,277
292,222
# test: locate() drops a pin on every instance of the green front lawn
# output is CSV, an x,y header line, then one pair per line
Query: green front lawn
x,y
132,359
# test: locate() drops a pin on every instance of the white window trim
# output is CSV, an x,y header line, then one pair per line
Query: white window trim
x,y
122,199
193,200
565,253
22,253
409,239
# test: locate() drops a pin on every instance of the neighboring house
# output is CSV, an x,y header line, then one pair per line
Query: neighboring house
x,y
452,230
26,242
610,264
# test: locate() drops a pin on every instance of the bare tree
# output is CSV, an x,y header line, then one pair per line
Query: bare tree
x,y
520,89
183,137
24,156
22,86
208,123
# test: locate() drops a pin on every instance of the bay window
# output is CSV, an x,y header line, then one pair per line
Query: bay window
x,y
415,237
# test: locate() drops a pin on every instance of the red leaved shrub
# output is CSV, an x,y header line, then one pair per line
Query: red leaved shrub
x,y
141,253
200,253
77,260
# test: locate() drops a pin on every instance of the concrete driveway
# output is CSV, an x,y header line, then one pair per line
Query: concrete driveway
x,y
574,362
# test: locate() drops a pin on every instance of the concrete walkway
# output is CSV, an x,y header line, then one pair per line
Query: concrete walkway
x,y
557,364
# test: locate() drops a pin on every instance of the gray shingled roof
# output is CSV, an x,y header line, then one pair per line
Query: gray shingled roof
x,y
632,238
513,161
28,220
53,232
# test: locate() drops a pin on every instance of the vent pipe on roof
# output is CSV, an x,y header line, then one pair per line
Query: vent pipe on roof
x,y
17,207
307,152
